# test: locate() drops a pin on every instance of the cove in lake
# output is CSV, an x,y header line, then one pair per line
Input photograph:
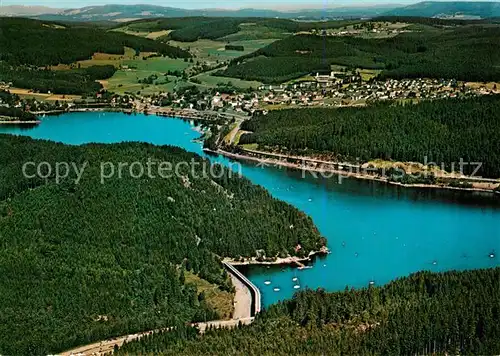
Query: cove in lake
x,y
376,232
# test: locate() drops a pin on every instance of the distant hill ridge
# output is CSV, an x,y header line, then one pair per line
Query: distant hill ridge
x,y
133,12
451,9
121,13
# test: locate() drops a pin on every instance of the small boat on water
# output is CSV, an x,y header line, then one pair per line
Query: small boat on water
x,y
434,263
296,286
304,267
492,255
372,282
276,289
267,283
295,279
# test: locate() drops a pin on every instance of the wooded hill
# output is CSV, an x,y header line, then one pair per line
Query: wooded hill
x,y
190,29
426,313
464,53
444,131
72,81
29,46
38,43
85,262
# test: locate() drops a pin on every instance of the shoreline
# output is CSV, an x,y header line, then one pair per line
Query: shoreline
x,y
344,173
19,122
279,261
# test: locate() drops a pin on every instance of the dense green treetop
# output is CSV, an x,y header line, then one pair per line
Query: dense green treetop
x,y
426,313
190,29
72,81
444,131
84,262
464,53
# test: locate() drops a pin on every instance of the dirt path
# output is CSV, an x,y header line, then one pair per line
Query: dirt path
x,y
242,314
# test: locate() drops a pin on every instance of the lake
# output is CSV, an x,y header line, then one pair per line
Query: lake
x,y
376,232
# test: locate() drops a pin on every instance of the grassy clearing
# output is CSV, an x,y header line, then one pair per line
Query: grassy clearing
x,y
146,34
220,301
28,94
101,59
127,80
252,31
237,138
233,128
250,146
211,51
479,85
211,81
368,74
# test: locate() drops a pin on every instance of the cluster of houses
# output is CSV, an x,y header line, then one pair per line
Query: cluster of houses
x,y
324,90
315,93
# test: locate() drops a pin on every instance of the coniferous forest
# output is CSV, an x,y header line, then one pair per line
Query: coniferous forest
x,y
423,314
444,131
25,41
29,47
464,53
88,261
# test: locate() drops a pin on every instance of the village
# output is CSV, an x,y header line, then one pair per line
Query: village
x,y
320,90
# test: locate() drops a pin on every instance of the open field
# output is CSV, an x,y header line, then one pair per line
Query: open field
x,y
219,300
28,94
212,51
211,81
151,35
367,74
127,80
102,59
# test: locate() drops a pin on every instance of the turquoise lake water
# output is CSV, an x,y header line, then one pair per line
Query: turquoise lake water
x,y
376,232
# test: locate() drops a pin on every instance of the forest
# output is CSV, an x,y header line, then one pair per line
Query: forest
x,y
72,81
30,46
25,41
423,314
441,131
88,261
463,53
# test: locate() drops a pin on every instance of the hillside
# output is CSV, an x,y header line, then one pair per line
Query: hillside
x,y
443,131
450,9
122,13
88,261
426,313
462,52
30,46
34,42
190,29
21,11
